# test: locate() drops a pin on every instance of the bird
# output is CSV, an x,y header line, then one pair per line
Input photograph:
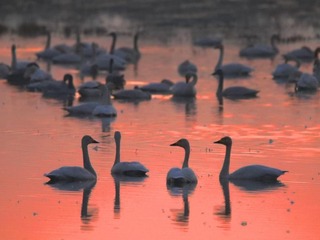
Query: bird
x,y
131,94
48,52
4,70
186,88
75,173
306,82
162,87
130,55
285,70
133,169
184,175
115,77
304,54
260,50
250,172
231,69
187,67
61,90
47,85
235,92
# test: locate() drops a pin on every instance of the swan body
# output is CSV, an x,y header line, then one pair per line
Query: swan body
x,y
161,87
115,78
35,74
91,89
187,88
41,86
231,69
235,92
60,90
185,174
132,94
285,70
89,70
130,55
134,169
187,67
4,70
18,66
260,50
48,52
251,172
67,58
307,82
75,173
303,54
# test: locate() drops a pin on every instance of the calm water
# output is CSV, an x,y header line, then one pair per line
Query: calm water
x,y
279,129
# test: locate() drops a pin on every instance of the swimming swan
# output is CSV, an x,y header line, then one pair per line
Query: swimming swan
x,y
187,67
162,87
251,172
134,169
130,55
185,174
235,92
285,70
75,173
231,69
187,88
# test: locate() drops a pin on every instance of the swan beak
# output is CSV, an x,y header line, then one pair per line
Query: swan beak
x,y
217,141
214,73
94,141
174,144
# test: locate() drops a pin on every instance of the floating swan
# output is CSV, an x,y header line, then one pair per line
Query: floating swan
x,y
132,94
251,172
19,77
17,66
4,70
187,88
260,50
35,74
231,69
285,70
61,90
130,55
48,52
74,173
115,78
161,87
184,174
235,92
303,54
306,82
187,67
134,169
47,85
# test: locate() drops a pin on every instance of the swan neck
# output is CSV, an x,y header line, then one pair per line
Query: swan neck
x,y
135,42
48,43
220,60
194,79
220,87
224,173
117,158
113,43
186,156
14,59
86,160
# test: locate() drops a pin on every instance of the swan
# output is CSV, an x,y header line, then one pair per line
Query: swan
x,y
103,60
4,70
251,172
47,85
207,42
187,88
114,77
235,92
75,173
61,90
134,169
132,94
184,174
306,82
67,58
19,77
231,69
316,69
303,54
260,50
161,87
130,55
35,74
285,70
17,66
48,52
187,67
91,89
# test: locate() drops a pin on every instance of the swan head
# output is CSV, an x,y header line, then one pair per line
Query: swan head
x,y
184,143
112,34
227,141
86,139
117,135
218,72
67,77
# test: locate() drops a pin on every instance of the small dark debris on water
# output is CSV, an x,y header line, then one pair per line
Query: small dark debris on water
x,y
244,223
34,213
271,141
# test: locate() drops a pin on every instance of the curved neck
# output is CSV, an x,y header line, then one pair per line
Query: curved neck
x,y
220,60
135,42
186,156
316,52
194,79
86,160
48,43
220,86
117,158
13,58
224,173
113,43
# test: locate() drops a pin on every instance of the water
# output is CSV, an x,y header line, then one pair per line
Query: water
x,y
279,128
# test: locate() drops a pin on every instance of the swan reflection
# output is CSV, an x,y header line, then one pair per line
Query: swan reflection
x,y
253,186
190,106
182,215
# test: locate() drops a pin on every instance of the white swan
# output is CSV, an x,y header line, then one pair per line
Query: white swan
x,y
47,85
251,172
61,90
184,174
131,94
285,70
35,74
187,88
115,77
75,173
235,92
130,55
303,54
134,169
187,67
48,52
231,69
17,66
260,50
162,87
4,70
306,82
